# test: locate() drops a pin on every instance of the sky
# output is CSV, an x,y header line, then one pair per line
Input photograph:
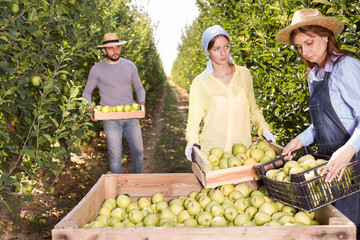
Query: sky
x,y
171,17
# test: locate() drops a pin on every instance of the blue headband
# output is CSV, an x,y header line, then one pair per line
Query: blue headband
x,y
209,34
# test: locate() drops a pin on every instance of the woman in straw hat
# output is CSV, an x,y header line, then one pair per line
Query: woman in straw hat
x,y
223,98
334,107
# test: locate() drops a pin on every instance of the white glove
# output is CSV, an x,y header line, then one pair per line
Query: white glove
x,y
189,150
269,137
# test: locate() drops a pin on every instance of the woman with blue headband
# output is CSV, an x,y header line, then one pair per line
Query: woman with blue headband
x,y
222,97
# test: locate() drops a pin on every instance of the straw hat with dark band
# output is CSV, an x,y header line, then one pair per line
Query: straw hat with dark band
x,y
111,40
306,17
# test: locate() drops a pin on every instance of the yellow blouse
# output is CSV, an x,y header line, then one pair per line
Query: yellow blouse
x,y
226,111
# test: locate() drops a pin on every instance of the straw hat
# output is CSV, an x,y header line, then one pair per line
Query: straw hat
x,y
306,17
111,40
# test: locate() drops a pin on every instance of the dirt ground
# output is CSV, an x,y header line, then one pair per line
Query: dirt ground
x,y
35,219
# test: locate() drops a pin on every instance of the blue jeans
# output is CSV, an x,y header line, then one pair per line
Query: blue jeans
x,y
114,130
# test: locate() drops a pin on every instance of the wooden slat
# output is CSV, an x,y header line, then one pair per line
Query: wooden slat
x,y
204,164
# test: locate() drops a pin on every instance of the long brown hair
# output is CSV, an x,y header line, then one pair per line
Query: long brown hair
x,y
332,48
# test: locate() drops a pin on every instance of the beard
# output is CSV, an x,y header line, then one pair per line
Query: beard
x,y
114,57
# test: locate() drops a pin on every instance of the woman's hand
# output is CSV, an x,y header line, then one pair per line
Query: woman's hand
x,y
291,146
338,163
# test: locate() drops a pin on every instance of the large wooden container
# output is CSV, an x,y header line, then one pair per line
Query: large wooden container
x,y
336,225
213,178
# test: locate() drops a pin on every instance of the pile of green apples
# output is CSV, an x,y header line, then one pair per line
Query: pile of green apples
x,y
240,155
118,108
304,163
226,205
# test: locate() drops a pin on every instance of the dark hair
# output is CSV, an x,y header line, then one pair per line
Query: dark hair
x,y
332,48
212,41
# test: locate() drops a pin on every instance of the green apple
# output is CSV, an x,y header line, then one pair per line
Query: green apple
x,y
176,200
233,162
270,173
193,194
241,204
204,219
217,196
199,195
295,170
145,212
209,205
290,164
279,176
244,189
231,213
242,156
307,164
217,151
26,188
160,206
118,225
105,109
261,218
310,215
289,210
276,216
119,108
203,200
118,212
270,153
140,224
105,219
216,167
238,147
213,159
217,210
272,223
132,206
109,204
183,216
263,145
223,163
279,205
234,195
135,107
257,200
15,8
286,219
268,207
265,158
143,202
305,157
129,225
257,154
127,108
227,155
114,220
302,217
176,208
193,208
157,197
151,219
241,219
191,222
36,80
218,222
251,211
97,224
105,211
250,161
227,189
167,213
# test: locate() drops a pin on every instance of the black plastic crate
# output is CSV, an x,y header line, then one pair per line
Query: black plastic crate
x,y
314,193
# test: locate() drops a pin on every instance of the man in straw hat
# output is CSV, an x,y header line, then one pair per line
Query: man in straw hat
x,y
334,107
115,76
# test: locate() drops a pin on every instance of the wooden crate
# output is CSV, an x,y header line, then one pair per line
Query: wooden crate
x,y
336,225
120,115
210,179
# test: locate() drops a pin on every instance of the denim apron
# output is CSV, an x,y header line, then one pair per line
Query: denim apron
x,y
330,134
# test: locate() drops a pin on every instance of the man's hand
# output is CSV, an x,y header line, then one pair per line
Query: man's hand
x,y
91,111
